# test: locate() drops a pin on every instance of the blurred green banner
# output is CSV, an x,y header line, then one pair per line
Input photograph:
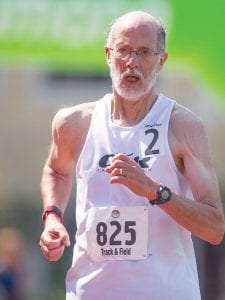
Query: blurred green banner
x,y
61,34
69,35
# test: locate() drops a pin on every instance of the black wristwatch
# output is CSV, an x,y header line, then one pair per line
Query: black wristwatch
x,y
164,195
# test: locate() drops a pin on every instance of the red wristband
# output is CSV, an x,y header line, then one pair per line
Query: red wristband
x,y
52,209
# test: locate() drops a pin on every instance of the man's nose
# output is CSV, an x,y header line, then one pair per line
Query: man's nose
x,y
132,60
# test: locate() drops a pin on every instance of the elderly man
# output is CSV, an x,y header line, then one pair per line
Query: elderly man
x,y
145,180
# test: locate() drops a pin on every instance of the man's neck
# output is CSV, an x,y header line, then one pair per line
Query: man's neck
x,y
130,112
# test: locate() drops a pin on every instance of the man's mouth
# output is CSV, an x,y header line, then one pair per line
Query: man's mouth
x,y
132,78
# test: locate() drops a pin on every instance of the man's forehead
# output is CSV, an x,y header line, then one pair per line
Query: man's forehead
x,y
141,32
136,23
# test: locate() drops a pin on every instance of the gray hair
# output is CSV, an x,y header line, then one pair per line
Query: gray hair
x,y
161,38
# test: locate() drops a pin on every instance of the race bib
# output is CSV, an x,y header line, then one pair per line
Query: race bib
x,y
117,233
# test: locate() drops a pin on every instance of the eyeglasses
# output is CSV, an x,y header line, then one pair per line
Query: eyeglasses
x,y
143,52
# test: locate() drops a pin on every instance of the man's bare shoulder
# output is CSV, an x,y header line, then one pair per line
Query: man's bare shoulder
x,y
188,132
185,121
70,126
74,118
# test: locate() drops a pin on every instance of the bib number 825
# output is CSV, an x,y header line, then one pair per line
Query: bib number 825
x,y
102,230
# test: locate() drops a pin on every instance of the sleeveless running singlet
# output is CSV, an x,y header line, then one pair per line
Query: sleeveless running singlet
x,y
127,249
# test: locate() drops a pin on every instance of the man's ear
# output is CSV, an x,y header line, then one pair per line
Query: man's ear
x,y
163,59
108,54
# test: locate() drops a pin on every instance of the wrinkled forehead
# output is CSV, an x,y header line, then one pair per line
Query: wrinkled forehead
x,y
142,31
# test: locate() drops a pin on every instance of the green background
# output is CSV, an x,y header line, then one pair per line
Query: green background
x,y
198,37
69,35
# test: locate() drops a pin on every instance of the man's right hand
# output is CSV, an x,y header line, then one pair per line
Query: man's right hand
x,y
54,238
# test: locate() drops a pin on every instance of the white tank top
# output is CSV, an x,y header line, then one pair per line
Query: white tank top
x,y
125,248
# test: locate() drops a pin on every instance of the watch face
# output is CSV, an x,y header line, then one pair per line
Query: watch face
x,y
165,194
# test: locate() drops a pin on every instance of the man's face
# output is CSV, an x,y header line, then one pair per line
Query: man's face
x,y
132,84
134,73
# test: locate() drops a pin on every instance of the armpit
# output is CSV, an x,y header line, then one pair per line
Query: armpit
x,y
176,151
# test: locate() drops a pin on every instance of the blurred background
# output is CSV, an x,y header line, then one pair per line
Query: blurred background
x,y
51,56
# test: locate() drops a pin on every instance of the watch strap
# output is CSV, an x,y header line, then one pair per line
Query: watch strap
x,y
52,209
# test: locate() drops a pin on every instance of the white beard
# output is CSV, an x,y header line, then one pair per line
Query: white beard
x,y
132,94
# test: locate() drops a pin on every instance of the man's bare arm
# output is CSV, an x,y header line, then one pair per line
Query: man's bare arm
x,y
58,171
70,126
204,216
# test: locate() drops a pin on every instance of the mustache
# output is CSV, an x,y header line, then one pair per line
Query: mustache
x,y
135,73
